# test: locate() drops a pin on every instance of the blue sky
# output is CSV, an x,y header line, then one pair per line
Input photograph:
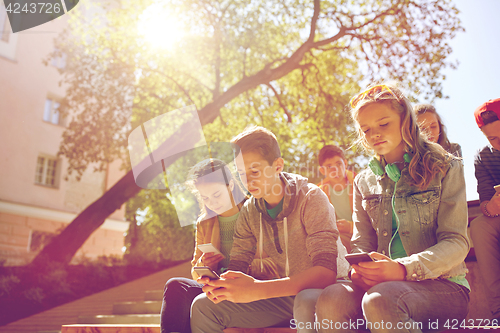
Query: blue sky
x,y
476,80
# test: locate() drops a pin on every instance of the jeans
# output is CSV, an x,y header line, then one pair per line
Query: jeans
x,y
485,234
178,295
208,317
393,306
304,309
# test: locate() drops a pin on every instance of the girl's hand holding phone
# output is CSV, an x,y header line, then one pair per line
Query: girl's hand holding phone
x,y
211,260
381,269
357,279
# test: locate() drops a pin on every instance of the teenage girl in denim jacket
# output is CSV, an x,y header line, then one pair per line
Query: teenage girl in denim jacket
x,y
410,215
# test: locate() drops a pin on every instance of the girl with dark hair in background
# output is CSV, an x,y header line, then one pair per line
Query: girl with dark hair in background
x,y
430,123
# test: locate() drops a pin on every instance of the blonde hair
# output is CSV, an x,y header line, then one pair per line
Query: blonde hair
x,y
428,158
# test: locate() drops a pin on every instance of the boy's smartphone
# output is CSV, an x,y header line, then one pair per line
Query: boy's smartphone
x,y
207,248
497,188
356,258
204,271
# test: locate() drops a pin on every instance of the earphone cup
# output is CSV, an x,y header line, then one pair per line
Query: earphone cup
x,y
391,169
407,157
375,166
393,172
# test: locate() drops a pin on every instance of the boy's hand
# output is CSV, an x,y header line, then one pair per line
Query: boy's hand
x,y
207,288
383,269
211,260
493,206
344,226
233,286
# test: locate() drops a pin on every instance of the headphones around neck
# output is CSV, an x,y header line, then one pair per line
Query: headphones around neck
x,y
392,169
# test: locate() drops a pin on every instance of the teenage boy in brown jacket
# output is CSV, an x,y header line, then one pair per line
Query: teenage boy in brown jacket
x,y
295,225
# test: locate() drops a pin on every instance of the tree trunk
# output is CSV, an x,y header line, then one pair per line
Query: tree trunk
x,y
64,246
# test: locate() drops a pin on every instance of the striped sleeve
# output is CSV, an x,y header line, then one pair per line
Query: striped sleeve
x,y
487,171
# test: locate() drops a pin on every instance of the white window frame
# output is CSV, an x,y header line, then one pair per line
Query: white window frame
x,y
47,170
59,62
3,24
51,113
7,48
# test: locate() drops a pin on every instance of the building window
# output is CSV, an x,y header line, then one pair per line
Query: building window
x,y
39,239
46,171
4,25
58,61
8,40
51,112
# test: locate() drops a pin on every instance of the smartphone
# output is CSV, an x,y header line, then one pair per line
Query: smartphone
x,y
497,188
356,258
205,271
207,248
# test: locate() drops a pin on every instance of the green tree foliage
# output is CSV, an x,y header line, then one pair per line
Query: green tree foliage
x,y
155,234
289,65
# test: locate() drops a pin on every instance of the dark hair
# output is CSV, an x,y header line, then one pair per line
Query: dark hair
x,y
329,151
206,172
488,117
259,139
443,137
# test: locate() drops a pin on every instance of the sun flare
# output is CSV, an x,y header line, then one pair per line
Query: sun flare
x,y
158,26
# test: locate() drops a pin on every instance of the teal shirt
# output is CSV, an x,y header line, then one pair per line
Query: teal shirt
x,y
397,249
273,212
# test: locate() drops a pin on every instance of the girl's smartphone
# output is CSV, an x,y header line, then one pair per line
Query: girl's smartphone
x,y
356,258
205,271
207,248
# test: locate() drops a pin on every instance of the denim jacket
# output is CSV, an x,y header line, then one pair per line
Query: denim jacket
x,y
432,222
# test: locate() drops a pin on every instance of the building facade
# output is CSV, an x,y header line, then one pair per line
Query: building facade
x,y
36,202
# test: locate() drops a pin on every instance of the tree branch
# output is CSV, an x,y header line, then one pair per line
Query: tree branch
x,y
288,115
174,81
340,34
314,21
343,30
209,112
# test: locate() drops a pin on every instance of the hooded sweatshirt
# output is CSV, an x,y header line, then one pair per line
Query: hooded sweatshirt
x,y
303,235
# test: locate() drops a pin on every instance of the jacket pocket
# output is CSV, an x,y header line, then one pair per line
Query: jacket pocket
x,y
425,205
371,205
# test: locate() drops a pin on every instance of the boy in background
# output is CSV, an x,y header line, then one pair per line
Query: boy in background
x,y
485,229
337,185
294,224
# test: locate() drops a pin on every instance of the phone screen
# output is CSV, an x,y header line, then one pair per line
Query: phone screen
x,y
206,271
357,258
208,248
